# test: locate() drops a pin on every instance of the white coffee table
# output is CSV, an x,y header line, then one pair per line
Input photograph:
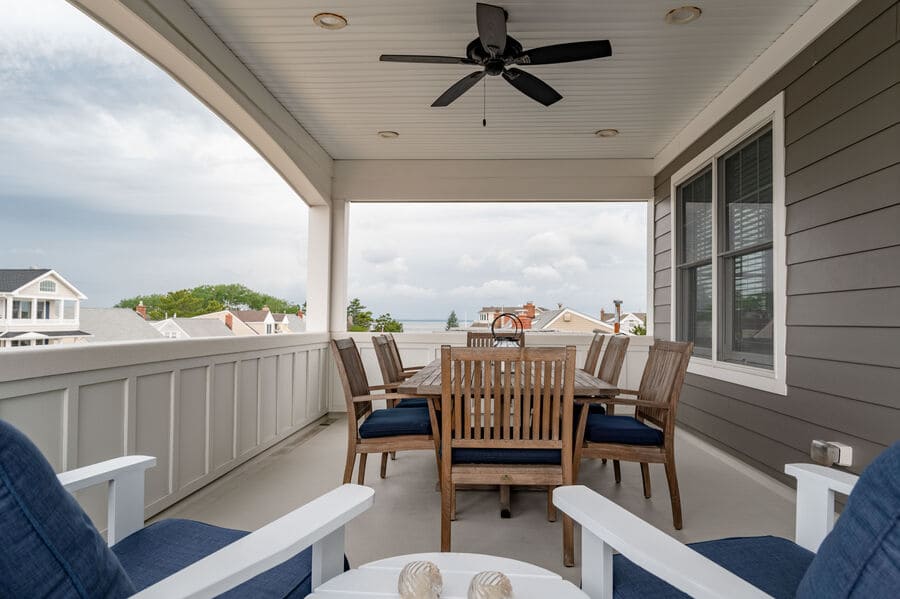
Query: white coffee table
x,y
379,579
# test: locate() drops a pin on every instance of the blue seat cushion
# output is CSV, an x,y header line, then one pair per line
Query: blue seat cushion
x,y
48,546
621,429
396,421
861,556
769,563
165,547
465,455
412,403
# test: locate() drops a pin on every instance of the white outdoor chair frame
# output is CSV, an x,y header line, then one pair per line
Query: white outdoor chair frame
x,y
320,524
607,528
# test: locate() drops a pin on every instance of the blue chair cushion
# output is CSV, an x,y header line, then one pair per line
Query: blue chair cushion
x,y
165,547
621,429
465,455
48,545
412,403
861,556
396,421
769,563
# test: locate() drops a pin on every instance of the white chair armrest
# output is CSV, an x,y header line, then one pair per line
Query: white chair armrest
x,y
319,523
816,486
125,503
607,527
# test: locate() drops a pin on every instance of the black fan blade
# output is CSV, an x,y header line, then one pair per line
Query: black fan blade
x,y
459,88
565,53
531,86
491,28
425,59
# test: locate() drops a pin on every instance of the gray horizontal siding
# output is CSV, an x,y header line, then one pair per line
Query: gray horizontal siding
x,y
842,167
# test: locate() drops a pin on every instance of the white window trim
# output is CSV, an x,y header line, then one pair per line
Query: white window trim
x,y
775,380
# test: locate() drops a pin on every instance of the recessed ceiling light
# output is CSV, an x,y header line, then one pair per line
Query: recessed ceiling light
x,y
388,134
330,20
683,15
606,132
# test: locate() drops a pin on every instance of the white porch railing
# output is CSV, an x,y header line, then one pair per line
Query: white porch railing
x,y
418,349
200,406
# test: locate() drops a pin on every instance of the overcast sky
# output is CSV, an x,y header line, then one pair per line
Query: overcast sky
x,y
115,176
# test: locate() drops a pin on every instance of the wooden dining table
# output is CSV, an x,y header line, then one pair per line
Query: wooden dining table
x,y
427,383
588,389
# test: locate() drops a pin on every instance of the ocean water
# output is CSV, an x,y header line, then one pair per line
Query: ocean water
x,y
424,326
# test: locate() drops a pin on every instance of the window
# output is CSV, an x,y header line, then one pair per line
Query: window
x,y
268,329
48,286
728,294
21,309
43,310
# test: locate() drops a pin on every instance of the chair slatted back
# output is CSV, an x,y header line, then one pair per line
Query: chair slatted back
x,y
353,375
508,398
611,365
593,355
395,351
390,369
480,339
662,381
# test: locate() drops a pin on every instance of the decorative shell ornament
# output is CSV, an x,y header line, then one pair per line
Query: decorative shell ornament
x,y
490,585
420,580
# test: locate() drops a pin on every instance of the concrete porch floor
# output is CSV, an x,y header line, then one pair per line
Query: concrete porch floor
x,y
720,497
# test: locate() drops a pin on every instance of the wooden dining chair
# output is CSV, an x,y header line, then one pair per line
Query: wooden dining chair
x,y
506,420
392,374
395,351
593,355
383,430
482,339
648,436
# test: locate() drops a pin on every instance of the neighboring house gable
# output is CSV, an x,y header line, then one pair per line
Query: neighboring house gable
x,y
260,321
238,326
192,328
567,319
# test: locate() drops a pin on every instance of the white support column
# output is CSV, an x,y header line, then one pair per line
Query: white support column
x,y
340,238
318,276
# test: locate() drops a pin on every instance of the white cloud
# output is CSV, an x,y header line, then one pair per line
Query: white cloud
x,y
541,273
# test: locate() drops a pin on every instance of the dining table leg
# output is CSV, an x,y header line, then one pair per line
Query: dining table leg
x,y
505,512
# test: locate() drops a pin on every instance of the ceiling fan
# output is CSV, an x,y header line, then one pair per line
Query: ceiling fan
x,y
499,54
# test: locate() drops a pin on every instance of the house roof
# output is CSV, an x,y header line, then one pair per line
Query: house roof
x,y
296,324
43,334
203,327
116,324
13,278
544,318
251,315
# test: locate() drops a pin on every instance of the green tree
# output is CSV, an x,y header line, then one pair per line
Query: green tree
x,y
639,329
207,298
386,324
358,318
452,321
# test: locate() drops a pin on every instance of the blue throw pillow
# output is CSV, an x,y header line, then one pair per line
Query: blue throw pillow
x,y
48,546
861,556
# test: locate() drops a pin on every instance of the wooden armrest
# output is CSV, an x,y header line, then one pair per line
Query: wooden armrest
x,y
385,387
816,486
319,523
364,398
622,401
634,392
605,526
413,369
405,375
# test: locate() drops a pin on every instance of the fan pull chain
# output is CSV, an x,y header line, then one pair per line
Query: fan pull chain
x,y
484,106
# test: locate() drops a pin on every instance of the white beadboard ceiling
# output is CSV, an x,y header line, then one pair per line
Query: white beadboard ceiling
x,y
659,77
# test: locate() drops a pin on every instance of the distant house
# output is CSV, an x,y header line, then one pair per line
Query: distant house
x,y
257,322
231,321
628,322
526,313
38,307
191,328
569,320
116,324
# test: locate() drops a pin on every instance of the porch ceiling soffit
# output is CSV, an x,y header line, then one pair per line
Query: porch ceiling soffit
x,y
493,180
171,34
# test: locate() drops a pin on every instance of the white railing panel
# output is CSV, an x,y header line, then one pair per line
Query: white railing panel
x,y
200,406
